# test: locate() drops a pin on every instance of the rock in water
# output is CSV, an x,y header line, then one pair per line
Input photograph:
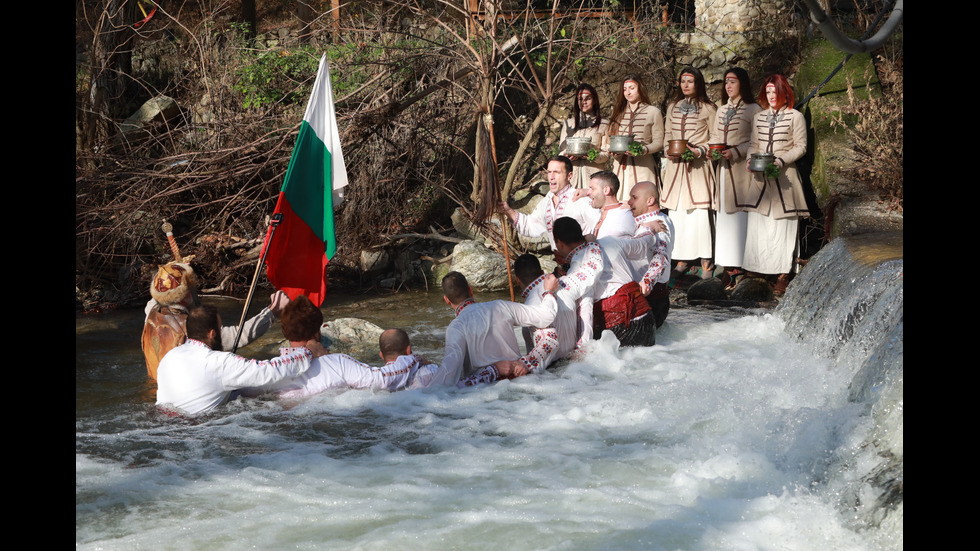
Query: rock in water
x,y
707,289
435,273
375,261
352,336
753,289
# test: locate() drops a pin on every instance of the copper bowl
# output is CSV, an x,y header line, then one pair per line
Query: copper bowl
x,y
676,148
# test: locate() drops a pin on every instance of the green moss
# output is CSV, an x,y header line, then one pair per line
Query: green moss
x,y
831,141
820,58
821,185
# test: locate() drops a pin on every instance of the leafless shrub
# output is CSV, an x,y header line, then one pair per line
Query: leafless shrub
x,y
876,126
214,171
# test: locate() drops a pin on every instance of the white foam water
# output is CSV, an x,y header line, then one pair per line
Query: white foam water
x,y
725,435
739,430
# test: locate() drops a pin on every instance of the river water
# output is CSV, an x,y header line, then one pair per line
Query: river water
x,y
731,433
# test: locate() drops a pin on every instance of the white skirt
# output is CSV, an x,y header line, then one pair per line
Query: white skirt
x,y
730,229
769,244
692,234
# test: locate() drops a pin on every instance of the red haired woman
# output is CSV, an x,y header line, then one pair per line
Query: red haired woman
x,y
634,115
689,184
777,203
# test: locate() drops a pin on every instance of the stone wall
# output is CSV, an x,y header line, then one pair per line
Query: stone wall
x,y
727,16
724,32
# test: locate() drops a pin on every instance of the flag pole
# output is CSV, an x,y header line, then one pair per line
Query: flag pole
x,y
273,223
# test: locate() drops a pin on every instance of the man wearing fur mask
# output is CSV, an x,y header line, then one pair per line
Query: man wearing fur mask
x,y
174,292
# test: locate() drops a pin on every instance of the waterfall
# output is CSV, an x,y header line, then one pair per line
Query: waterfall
x,y
848,305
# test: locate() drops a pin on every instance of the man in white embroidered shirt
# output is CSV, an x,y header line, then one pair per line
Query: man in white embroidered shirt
x,y
652,223
301,322
605,274
544,345
615,218
482,336
560,201
197,376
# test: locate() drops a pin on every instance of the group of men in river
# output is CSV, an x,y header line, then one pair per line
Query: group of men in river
x,y
613,267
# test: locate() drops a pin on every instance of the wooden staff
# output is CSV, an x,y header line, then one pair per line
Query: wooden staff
x,y
276,219
488,120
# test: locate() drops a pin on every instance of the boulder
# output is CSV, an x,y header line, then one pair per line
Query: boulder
x,y
352,336
467,230
375,261
524,200
464,227
435,272
536,245
485,270
753,289
547,262
161,109
707,289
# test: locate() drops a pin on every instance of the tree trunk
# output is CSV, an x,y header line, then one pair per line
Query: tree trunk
x,y
110,72
249,19
529,136
306,17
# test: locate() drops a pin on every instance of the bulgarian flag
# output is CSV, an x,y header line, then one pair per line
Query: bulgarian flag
x,y
304,242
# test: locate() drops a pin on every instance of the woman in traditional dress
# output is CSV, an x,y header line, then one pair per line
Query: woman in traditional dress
x,y
733,128
777,203
689,182
585,122
634,115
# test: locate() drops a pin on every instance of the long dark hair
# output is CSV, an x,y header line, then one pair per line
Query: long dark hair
x,y
744,85
700,90
579,118
621,103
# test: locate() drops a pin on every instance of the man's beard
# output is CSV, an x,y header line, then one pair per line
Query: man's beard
x,y
215,344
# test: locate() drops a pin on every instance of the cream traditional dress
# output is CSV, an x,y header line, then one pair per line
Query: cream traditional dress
x,y
646,124
775,205
688,189
583,167
732,127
